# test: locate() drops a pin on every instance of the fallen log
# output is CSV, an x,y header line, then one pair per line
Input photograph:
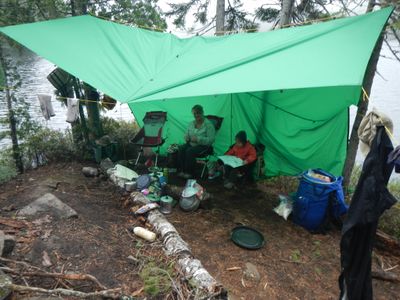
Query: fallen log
x,y
177,247
111,293
386,276
83,277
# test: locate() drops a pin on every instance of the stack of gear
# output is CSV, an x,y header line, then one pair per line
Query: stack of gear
x,y
120,175
151,185
319,196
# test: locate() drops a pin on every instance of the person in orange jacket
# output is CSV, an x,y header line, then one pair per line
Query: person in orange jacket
x,y
242,149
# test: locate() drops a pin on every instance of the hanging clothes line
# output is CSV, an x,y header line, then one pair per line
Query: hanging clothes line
x,y
84,100
365,94
7,88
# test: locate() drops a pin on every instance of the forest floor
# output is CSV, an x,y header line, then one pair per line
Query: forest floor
x,y
99,241
293,264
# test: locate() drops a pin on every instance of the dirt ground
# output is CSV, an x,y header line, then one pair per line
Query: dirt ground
x,y
293,264
97,242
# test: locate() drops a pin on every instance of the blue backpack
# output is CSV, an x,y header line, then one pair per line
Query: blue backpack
x,y
313,200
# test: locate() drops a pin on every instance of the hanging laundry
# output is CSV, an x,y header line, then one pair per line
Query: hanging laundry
x,y
45,106
72,110
368,127
371,198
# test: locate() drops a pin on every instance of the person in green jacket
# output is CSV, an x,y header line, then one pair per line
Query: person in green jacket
x,y
199,137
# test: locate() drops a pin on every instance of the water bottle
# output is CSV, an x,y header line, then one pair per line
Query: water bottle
x,y
144,233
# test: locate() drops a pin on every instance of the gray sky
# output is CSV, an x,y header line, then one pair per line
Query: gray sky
x,y
248,5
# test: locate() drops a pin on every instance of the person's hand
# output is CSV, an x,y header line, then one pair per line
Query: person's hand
x,y
193,139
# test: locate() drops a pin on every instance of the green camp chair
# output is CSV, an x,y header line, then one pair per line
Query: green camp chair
x,y
150,135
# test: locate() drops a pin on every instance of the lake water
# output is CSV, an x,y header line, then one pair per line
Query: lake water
x,y
385,95
33,71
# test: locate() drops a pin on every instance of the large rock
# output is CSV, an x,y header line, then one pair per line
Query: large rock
x,y
4,282
106,164
48,203
90,171
7,244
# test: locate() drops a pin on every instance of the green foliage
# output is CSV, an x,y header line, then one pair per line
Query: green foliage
x,y
7,165
295,256
355,175
16,12
121,132
393,186
157,279
180,10
143,13
316,252
266,14
390,221
47,145
235,17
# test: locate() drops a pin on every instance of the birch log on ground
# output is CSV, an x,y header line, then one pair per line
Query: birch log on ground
x,y
109,294
177,247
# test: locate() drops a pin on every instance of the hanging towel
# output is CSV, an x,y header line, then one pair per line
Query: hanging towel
x,y
367,129
72,110
45,106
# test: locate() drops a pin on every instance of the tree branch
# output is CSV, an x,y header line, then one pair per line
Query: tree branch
x,y
392,50
112,293
56,275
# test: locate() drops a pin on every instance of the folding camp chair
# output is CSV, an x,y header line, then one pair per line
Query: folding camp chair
x,y
204,157
150,135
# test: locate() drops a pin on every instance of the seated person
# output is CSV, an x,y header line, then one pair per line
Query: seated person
x,y
199,137
242,149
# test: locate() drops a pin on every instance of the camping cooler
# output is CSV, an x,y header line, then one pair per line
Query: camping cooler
x,y
312,199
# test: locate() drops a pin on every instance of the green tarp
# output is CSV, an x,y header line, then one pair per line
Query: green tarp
x,y
290,89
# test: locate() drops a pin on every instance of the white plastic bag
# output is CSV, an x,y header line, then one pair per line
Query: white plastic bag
x,y
285,206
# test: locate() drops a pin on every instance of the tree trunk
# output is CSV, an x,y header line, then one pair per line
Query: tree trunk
x,y
11,117
362,107
285,14
220,18
93,111
73,9
13,132
81,113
